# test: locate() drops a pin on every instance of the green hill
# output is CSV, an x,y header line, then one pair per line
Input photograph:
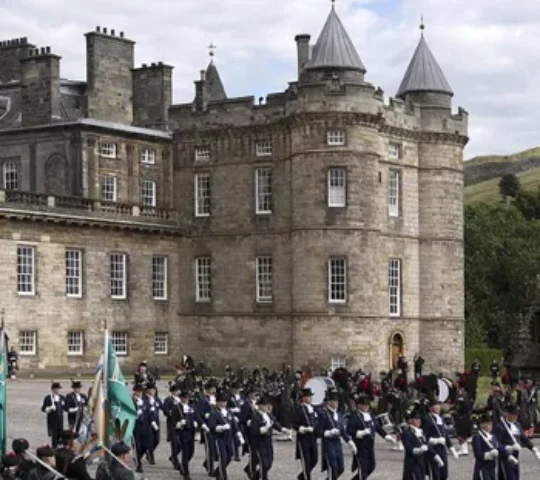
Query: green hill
x,y
488,190
515,157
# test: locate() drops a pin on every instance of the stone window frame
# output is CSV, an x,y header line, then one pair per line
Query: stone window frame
x,y
24,277
148,195
203,279
108,149
164,341
159,285
395,307
336,137
120,337
72,334
68,268
202,194
148,156
264,148
105,191
201,153
345,282
264,199
122,277
395,150
394,192
330,188
3,167
29,334
264,278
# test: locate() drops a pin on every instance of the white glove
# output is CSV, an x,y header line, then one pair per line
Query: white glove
x,y
49,409
513,460
354,450
195,425
513,448
155,426
454,452
328,434
235,410
437,441
363,433
264,430
73,410
335,432
536,453
390,439
240,438
139,412
219,428
491,455
206,416
205,427
303,430
419,450
438,461
285,431
226,427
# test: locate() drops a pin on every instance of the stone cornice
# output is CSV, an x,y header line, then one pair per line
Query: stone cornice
x,y
426,137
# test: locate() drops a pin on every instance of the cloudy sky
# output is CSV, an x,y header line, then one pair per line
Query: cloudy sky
x,y
488,49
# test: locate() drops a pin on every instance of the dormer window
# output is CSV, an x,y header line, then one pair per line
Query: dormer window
x,y
202,154
394,151
263,149
336,138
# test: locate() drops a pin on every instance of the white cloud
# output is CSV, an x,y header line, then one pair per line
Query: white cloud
x,y
486,48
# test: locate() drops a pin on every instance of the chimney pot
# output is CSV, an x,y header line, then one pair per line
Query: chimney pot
x,y
104,30
153,64
42,50
98,29
121,34
48,49
160,63
144,65
203,75
112,33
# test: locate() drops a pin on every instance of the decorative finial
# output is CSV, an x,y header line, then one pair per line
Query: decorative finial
x,y
422,26
333,3
212,49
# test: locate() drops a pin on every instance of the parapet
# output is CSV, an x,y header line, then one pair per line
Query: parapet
x,y
110,33
14,42
152,66
39,52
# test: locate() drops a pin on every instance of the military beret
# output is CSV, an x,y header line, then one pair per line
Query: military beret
x,y
45,452
120,448
20,445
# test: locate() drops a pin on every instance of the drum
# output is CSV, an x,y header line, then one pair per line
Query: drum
x,y
319,386
444,389
385,423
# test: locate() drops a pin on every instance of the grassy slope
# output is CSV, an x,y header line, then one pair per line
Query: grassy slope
x,y
533,152
488,191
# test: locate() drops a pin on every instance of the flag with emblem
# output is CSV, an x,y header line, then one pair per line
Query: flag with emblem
x,y
3,389
121,408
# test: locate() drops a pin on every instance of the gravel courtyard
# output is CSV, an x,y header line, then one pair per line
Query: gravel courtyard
x,y
25,419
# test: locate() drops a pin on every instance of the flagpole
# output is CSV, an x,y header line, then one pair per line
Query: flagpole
x,y
105,378
43,464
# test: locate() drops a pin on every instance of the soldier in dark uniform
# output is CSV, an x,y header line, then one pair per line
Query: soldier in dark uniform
x,y
306,424
223,428
168,405
234,405
68,463
39,472
438,439
118,469
462,412
263,424
416,449
512,439
247,410
362,428
418,365
185,424
494,369
527,400
142,376
153,405
75,403
202,411
496,403
333,430
475,368
142,430
53,406
486,450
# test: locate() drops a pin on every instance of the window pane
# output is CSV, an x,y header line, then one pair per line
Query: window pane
x,y
119,341
393,193
118,275
337,181
11,176
107,149
337,273
161,343
263,149
204,287
73,273
27,342
394,286
202,154
25,270
108,188
75,343
202,194
336,137
263,188
159,277
148,155
148,193
264,279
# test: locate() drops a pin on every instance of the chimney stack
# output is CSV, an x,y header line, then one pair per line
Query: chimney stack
x,y
302,46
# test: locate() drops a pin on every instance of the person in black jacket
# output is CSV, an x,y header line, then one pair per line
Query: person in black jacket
x,y
40,472
53,406
75,403
68,463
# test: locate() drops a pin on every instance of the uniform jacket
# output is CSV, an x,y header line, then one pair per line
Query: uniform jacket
x,y
435,429
361,421
415,465
483,443
55,418
329,421
305,416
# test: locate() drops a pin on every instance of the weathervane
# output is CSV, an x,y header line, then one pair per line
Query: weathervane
x,y
212,48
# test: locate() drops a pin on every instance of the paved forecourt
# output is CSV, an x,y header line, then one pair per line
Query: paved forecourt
x,y
25,419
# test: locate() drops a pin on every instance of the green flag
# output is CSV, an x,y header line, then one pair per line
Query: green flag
x,y
121,411
3,390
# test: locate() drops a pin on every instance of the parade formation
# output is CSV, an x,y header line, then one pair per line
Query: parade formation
x,y
428,420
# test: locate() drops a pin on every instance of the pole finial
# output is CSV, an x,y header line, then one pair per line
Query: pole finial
x,y
422,25
212,49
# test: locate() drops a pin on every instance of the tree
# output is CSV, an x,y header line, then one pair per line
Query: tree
x,y
509,186
502,260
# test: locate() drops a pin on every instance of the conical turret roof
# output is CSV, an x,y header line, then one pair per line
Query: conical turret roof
x,y
424,73
334,48
214,86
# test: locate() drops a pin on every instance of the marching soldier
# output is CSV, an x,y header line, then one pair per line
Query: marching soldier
x,y
333,429
439,440
496,402
234,405
512,439
185,424
527,400
153,407
416,448
306,425
486,450
75,403
462,412
169,405
53,406
263,424
141,432
475,368
362,429
418,365
223,428
203,410
247,411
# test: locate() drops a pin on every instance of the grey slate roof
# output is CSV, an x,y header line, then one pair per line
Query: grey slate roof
x,y
334,48
214,86
424,73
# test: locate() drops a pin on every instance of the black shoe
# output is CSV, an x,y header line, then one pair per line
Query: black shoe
x,y
139,469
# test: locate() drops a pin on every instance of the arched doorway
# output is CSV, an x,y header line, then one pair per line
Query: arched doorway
x,y
397,348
